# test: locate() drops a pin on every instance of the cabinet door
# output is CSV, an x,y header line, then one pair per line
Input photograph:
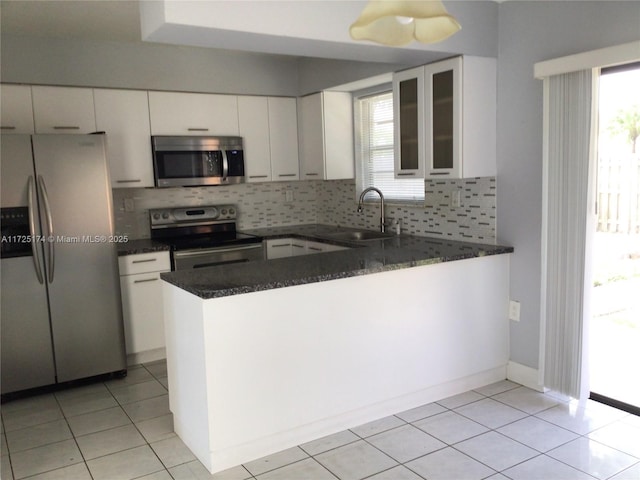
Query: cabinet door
x,y
278,248
311,137
253,119
124,115
283,133
298,247
443,84
16,109
63,110
338,135
409,124
174,113
142,312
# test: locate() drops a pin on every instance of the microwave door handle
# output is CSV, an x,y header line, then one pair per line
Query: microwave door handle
x,y
32,229
225,165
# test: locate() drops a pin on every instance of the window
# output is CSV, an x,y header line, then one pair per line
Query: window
x,y
374,151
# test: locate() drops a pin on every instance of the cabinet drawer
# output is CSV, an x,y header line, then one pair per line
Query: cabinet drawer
x,y
144,262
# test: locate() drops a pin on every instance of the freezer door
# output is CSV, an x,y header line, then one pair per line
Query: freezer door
x,y
27,355
82,264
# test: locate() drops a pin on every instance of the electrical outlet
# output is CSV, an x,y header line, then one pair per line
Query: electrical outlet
x,y
129,205
455,199
514,310
288,196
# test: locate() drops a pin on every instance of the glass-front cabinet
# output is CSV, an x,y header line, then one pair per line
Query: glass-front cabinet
x,y
409,135
443,88
445,119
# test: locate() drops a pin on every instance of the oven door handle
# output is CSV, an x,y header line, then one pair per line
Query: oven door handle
x,y
209,251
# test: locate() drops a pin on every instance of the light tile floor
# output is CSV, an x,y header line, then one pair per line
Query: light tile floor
x,y
122,429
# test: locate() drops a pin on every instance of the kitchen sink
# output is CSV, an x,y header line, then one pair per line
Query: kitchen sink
x,y
359,235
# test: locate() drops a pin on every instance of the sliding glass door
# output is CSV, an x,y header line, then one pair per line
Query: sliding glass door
x,y
614,356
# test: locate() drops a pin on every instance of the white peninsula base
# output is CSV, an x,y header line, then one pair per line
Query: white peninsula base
x,y
256,373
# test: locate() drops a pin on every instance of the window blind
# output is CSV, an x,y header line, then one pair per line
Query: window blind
x,y
375,128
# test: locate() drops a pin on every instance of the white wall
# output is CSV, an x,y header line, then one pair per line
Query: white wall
x,y
149,66
533,31
144,66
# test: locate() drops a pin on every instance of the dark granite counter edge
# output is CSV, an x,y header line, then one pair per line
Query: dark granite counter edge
x,y
207,294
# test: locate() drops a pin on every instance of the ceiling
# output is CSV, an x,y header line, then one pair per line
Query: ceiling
x,y
301,28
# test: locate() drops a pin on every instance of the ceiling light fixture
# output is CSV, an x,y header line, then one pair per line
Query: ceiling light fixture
x,y
399,22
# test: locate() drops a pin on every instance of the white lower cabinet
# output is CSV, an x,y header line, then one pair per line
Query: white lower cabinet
x,y
278,248
293,247
142,306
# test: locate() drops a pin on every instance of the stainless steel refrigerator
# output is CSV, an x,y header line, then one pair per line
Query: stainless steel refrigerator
x,y
61,314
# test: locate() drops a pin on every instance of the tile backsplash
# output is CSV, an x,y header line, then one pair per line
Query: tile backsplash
x,y
328,202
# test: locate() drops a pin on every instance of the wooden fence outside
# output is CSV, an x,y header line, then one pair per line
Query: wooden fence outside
x,y
619,194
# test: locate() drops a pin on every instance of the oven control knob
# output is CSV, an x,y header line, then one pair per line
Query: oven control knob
x,y
232,211
156,216
165,215
223,211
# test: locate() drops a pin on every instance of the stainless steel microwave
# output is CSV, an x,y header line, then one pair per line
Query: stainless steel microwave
x,y
186,161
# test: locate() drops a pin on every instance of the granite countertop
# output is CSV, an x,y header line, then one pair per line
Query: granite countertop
x,y
144,245
363,258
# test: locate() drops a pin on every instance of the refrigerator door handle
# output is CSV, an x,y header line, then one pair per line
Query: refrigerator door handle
x,y
32,229
50,233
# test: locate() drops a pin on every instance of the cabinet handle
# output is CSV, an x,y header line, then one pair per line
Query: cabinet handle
x,y
146,280
280,245
137,180
297,246
312,174
315,249
406,174
144,261
65,127
287,175
439,173
7,127
196,129
258,176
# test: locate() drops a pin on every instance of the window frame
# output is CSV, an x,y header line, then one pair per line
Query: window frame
x,y
361,182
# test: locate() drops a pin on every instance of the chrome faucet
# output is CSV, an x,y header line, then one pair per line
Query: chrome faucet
x,y
373,189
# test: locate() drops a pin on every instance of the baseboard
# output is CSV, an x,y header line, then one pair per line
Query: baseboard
x,y
146,356
524,375
222,459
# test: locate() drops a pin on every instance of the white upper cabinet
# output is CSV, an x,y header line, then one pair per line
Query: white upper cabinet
x,y
253,118
268,127
449,111
325,135
409,123
16,109
479,117
443,84
175,113
283,134
124,116
63,110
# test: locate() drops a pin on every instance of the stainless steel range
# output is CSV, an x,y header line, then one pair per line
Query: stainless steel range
x,y
203,236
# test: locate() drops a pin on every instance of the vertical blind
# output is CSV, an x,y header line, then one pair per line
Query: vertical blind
x,y
375,150
568,176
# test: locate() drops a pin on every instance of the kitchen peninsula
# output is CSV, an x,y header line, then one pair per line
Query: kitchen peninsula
x,y
266,355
